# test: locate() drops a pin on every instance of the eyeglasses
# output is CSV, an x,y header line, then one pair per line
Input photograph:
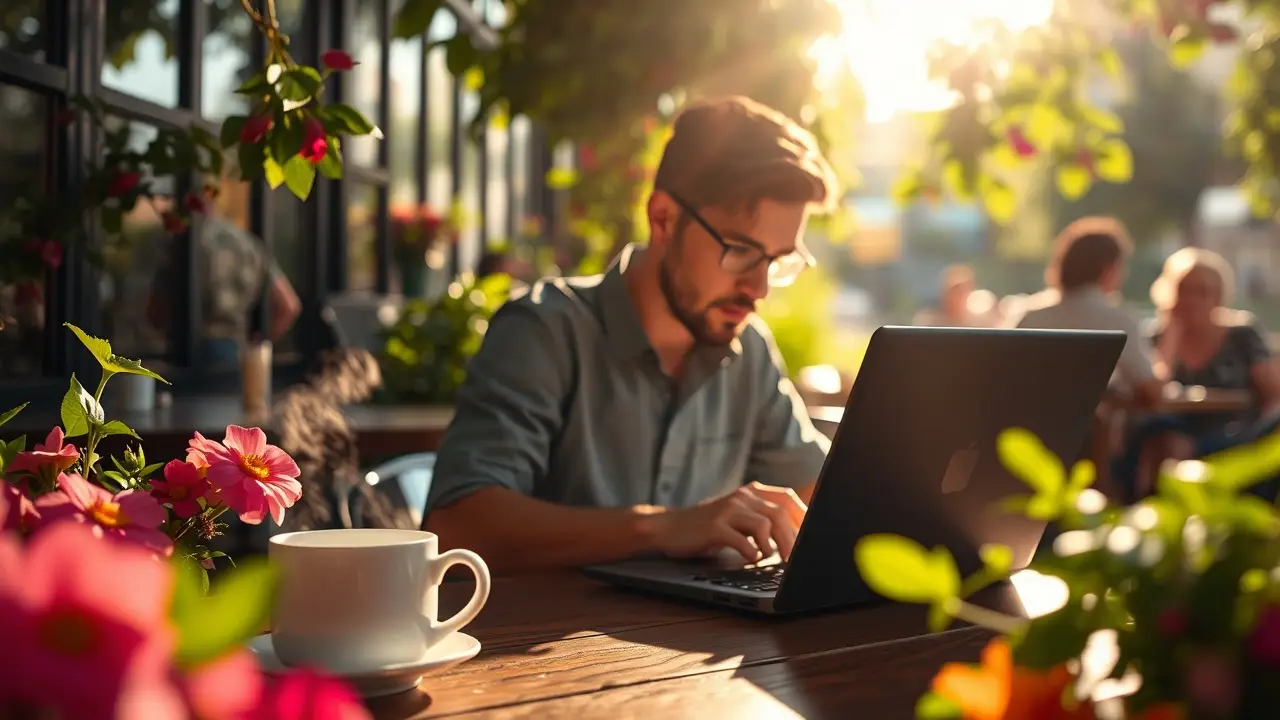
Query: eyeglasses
x,y
740,256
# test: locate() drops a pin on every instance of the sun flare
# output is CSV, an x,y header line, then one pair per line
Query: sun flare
x,y
886,44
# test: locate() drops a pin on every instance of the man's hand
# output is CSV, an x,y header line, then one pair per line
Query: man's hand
x,y
753,512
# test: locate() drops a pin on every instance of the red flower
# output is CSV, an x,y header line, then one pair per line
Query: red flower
x,y
29,292
122,182
1222,33
182,488
255,129
195,203
1084,158
46,459
315,143
17,512
587,158
308,695
51,253
1020,144
1264,643
174,224
338,60
1172,623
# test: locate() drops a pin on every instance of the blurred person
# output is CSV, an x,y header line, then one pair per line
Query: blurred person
x,y
647,410
1084,276
237,274
955,289
1200,341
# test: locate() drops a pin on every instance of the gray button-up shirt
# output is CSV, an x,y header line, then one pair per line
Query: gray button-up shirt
x,y
566,402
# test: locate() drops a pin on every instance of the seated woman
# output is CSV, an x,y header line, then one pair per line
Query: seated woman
x,y
1198,341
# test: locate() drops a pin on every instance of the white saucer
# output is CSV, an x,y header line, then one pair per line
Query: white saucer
x,y
457,648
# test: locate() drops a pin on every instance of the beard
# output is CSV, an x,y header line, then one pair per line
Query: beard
x,y
681,296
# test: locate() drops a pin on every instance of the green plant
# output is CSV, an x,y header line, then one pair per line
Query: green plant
x,y
1187,582
425,353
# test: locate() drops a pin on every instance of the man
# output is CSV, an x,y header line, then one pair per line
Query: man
x,y
1087,270
647,410
955,286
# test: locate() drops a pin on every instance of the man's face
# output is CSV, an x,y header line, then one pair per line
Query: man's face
x,y
713,303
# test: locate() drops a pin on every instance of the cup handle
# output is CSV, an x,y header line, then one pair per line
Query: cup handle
x,y
468,613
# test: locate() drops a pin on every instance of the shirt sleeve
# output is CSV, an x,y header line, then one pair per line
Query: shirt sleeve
x,y
1134,364
786,450
1252,345
507,413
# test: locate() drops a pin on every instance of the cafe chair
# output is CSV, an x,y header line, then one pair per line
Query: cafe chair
x,y
399,489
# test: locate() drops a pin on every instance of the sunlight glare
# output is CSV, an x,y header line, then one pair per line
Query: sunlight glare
x,y
886,44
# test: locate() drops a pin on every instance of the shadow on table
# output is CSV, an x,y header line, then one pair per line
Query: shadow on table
x,y
876,659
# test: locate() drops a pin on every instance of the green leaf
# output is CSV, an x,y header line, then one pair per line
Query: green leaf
x,y
272,173
1109,61
116,427
932,706
255,85
301,83
1083,475
331,165
299,176
115,477
9,450
997,558
112,218
285,138
901,569
1186,46
251,158
415,17
1114,161
1025,456
998,199
1053,639
561,178
231,127
238,609
1074,180
79,409
111,363
10,414
345,120
1245,466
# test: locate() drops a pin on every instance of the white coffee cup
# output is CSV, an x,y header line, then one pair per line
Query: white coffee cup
x,y
364,599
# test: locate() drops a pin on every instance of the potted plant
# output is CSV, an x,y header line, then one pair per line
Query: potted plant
x,y
415,230
1184,586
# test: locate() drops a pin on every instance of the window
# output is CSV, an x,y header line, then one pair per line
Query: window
x,y
469,240
226,59
292,232
364,89
362,229
24,29
23,154
440,135
521,207
404,147
141,40
499,144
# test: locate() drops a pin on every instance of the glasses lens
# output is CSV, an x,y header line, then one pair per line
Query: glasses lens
x,y
740,259
785,270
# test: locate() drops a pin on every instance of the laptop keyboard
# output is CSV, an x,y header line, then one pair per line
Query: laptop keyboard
x,y
758,579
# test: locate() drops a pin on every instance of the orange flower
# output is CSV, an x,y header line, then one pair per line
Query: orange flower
x,y
997,690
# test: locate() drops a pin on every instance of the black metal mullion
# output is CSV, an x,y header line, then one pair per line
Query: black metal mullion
x,y
186,320
455,171
342,21
382,238
27,73
482,177
132,108
422,163
80,291
509,172
261,203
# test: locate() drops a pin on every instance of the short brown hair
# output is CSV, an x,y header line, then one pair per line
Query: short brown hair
x,y
735,152
1085,250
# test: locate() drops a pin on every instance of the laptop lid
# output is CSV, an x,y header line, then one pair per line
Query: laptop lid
x,y
915,453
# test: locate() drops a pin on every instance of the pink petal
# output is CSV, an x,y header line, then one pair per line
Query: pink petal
x,y
279,462
52,441
141,509
223,474
180,472
83,493
289,490
187,509
248,441
147,537
255,508
57,506
228,687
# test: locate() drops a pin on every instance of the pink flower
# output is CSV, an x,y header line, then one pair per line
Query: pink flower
x,y
128,515
255,129
337,60
315,142
1264,642
199,450
308,695
84,627
47,459
17,512
254,478
226,688
1022,146
182,488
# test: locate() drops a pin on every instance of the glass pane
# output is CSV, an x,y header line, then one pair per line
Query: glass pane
x,y
227,63
443,26
469,241
362,220
292,225
362,91
141,51
499,143
139,286
404,145
295,21
24,28
439,114
520,132
22,168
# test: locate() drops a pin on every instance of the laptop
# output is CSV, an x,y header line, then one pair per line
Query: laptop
x,y
915,454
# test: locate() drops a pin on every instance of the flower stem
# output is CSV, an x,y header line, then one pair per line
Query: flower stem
x,y
92,436
1001,623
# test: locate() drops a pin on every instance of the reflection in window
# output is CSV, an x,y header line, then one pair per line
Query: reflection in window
x,y
362,228
362,90
439,113
499,143
291,231
226,58
404,146
141,40
469,241
24,28
22,163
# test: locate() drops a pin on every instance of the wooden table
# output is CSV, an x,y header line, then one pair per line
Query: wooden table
x,y
561,645
381,430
